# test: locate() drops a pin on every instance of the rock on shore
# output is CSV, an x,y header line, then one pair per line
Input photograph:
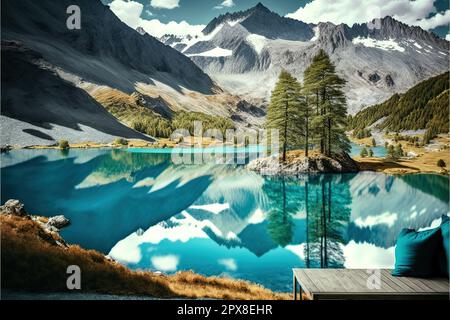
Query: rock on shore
x,y
315,164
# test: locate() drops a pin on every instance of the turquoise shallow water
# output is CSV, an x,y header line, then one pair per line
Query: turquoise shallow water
x,y
217,219
378,151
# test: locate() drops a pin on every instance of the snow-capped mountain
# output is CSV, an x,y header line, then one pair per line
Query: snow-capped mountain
x,y
245,51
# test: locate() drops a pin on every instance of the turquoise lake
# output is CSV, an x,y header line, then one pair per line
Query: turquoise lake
x,y
221,219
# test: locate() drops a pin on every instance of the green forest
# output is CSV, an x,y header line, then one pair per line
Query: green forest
x,y
311,115
145,120
424,106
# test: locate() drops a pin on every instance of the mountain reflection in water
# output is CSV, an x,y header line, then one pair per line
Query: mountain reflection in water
x,y
149,213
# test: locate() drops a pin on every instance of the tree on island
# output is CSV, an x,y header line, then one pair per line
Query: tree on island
x,y
315,113
325,90
285,111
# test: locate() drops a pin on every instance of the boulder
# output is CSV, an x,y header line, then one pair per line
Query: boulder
x,y
13,207
5,148
57,222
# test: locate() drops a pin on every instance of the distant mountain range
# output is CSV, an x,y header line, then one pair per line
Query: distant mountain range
x,y
244,52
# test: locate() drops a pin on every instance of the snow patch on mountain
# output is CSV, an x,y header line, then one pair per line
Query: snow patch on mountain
x,y
257,41
316,34
216,52
390,44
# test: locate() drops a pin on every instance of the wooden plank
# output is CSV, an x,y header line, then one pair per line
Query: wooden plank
x,y
426,285
353,276
409,287
379,296
305,282
317,278
352,283
386,278
439,285
386,274
331,281
414,286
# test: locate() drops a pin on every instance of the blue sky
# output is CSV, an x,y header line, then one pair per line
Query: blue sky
x,y
190,16
203,11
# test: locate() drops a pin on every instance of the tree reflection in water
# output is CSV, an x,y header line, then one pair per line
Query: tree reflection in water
x,y
324,201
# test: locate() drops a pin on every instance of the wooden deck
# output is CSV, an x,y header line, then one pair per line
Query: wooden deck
x,y
355,284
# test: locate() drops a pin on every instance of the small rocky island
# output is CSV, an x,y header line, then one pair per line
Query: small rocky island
x,y
296,163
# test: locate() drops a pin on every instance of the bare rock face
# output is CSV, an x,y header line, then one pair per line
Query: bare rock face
x,y
389,81
58,222
314,164
374,77
13,207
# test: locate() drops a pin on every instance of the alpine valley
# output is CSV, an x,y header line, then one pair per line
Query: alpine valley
x,y
228,71
113,163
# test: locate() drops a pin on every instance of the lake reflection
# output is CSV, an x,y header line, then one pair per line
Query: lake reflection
x,y
148,213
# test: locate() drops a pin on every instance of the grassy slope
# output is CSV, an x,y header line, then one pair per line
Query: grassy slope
x,y
31,261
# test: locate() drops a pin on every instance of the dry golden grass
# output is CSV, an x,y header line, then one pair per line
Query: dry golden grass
x,y
426,162
32,261
367,142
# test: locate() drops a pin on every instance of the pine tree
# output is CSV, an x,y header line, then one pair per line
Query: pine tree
x,y
391,153
284,112
370,153
363,153
398,151
325,88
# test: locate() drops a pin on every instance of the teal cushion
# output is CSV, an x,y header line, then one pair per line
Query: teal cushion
x,y
416,253
444,256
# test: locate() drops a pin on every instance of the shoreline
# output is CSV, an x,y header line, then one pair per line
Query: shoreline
x,y
372,164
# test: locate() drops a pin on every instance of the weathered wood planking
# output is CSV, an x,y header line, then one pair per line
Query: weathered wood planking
x,y
353,284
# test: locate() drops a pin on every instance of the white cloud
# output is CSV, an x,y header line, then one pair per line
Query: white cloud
x,y
225,4
366,255
165,263
130,12
447,37
229,264
149,12
355,11
165,4
371,221
157,29
440,19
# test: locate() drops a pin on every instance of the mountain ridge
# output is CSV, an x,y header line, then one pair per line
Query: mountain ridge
x,y
377,58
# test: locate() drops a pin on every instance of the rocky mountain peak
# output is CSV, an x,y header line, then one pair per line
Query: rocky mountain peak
x,y
260,20
260,7
332,36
